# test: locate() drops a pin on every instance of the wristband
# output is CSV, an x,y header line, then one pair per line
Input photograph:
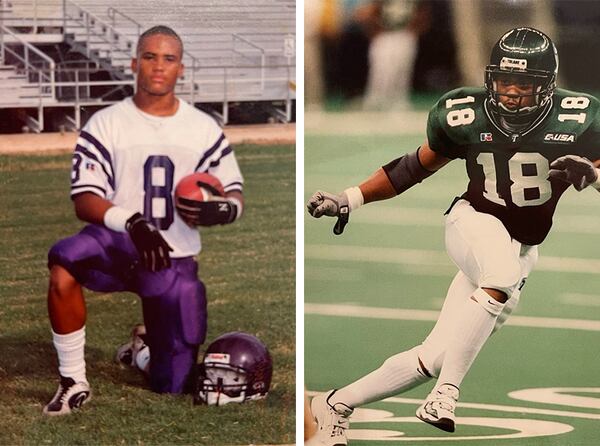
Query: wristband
x,y
355,197
116,217
238,208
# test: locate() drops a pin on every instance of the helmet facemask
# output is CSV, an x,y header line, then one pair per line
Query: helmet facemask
x,y
220,384
236,368
520,114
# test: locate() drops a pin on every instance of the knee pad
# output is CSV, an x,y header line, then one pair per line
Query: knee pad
x,y
64,253
96,257
505,277
488,303
176,326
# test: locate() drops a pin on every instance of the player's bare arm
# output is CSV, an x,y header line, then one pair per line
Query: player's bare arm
x,y
90,207
387,182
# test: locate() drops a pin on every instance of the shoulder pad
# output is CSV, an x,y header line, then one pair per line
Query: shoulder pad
x,y
456,120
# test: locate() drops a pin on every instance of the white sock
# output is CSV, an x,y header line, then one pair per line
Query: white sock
x,y
474,325
397,374
70,351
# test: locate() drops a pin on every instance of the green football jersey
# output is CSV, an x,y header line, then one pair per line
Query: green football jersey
x,y
508,173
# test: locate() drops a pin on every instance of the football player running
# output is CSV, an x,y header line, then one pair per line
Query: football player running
x,y
524,142
126,163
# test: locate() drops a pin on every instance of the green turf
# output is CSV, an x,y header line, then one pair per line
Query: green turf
x,y
250,288
340,349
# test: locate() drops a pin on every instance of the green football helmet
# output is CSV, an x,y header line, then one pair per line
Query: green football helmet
x,y
530,56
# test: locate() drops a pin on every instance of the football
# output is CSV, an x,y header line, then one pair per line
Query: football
x,y
199,187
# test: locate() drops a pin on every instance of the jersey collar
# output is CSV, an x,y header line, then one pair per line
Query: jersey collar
x,y
529,129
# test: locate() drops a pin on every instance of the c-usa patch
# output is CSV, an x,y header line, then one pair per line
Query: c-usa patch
x,y
560,138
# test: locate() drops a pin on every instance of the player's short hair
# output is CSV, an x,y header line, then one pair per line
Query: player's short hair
x,y
158,29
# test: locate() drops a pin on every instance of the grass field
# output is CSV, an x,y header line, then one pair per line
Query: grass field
x,y
376,291
248,269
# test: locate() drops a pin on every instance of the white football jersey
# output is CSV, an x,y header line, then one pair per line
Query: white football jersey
x,y
135,160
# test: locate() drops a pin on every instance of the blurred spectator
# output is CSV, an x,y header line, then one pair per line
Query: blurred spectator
x,y
393,51
578,25
366,50
313,72
435,66
363,23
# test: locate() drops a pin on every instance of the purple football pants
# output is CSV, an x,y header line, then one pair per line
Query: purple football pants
x,y
173,299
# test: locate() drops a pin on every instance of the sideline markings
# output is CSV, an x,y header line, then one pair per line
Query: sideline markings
x,y
498,407
431,315
560,395
517,428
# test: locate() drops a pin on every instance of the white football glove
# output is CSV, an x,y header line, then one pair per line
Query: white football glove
x,y
323,203
577,170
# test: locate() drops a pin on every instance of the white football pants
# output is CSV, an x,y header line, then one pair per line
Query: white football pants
x,y
487,257
391,61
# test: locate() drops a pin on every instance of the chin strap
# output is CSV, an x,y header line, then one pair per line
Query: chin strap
x,y
218,398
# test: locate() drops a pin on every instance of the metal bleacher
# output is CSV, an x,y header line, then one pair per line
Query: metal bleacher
x,y
235,51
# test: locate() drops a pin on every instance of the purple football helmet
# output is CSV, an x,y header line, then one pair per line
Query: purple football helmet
x,y
236,367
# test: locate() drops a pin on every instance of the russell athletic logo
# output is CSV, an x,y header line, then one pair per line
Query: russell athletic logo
x,y
564,138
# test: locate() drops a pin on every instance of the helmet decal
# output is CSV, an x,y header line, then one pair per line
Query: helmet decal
x,y
507,62
222,358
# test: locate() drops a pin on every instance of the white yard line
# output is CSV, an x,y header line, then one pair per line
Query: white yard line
x,y
400,256
317,122
358,311
504,408
582,300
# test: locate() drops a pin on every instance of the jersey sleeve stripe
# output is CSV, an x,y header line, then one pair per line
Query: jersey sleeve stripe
x,y
105,154
210,151
75,190
235,185
225,152
86,152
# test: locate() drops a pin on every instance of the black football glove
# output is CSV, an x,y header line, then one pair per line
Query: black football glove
x,y
578,171
323,203
150,245
206,213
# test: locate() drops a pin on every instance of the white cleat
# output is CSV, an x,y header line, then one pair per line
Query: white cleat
x,y
127,353
69,396
438,409
332,421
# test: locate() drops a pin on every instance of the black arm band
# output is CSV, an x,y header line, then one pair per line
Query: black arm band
x,y
406,171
